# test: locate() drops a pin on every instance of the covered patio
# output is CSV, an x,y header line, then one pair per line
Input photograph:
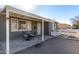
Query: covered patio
x,y
20,44
14,22
18,21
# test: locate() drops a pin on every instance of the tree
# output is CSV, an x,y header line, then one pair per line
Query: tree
x,y
76,26
75,22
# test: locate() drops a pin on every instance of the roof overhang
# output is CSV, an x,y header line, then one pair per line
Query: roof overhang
x,y
25,14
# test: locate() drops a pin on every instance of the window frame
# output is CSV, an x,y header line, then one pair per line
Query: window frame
x,y
17,29
22,29
14,30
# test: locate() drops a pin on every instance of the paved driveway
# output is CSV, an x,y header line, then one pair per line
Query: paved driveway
x,y
54,46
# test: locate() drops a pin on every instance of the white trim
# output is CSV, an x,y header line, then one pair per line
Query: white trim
x,y
17,30
53,26
18,11
12,30
42,30
15,10
22,29
7,32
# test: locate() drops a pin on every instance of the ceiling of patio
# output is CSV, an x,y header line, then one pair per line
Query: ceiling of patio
x,y
19,16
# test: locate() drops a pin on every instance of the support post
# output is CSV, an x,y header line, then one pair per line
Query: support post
x,y
53,26
7,31
42,30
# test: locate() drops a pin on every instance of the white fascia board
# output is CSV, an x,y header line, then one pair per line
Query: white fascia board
x,y
50,20
15,10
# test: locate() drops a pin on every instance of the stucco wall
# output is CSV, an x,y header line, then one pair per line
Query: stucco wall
x,y
39,28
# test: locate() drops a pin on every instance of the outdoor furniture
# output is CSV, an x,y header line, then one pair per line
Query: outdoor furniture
x,y
31,36
28,36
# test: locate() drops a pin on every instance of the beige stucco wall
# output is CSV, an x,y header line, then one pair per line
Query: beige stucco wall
x,y
29,25
39,28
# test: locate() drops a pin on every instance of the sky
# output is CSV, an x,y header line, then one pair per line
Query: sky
x,y
59,13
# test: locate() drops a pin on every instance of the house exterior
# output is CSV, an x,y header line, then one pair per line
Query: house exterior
x,y
14,21
63,26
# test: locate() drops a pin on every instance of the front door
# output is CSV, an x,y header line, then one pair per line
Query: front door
x,y
34,27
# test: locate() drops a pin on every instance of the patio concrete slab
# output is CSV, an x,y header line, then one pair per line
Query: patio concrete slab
x,y
20,44
2,47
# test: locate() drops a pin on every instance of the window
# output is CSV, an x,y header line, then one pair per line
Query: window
x,y
14,24
18,25
22,25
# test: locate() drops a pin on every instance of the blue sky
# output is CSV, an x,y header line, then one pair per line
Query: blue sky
x,y
61,13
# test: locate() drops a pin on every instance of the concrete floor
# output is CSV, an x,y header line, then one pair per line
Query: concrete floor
x,y
20,44
2,47
54,46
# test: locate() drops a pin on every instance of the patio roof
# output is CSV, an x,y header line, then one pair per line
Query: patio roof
x,y
19,16
25,14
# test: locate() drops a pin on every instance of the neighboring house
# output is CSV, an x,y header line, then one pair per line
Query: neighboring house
x,y
63,26
14,21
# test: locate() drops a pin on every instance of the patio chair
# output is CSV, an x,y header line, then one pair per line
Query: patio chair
x,y
31,36
25,36
28,35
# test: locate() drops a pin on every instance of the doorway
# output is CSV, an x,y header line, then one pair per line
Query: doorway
x,y
34,27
